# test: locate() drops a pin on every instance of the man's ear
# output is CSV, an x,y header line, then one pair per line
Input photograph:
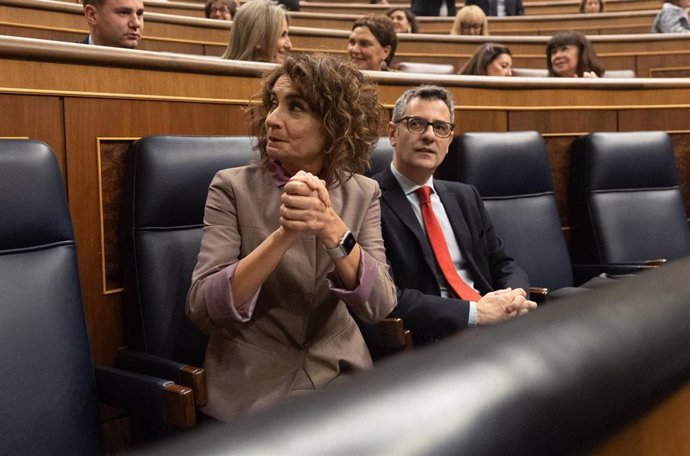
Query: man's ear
x,y
91,14
392,133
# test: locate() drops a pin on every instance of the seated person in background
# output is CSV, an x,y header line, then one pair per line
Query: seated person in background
x,y
433,7
292,242
470,20
489,59
403,20
673,17
571,55
592,6
449,267
290,5
115,23
499,7
372,43
220,9
259,33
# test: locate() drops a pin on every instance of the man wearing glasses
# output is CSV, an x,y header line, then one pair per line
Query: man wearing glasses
x,y
450,268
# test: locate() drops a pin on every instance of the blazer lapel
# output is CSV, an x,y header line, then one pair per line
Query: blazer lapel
x,y
393,196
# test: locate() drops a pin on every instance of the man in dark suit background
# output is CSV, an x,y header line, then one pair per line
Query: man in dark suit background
x,y
499,7
115,23
428,302
432,7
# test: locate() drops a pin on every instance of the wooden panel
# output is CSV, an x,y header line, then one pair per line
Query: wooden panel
x,y
34,117
663,431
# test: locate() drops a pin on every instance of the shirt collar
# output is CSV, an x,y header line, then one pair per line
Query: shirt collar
x,y
407,185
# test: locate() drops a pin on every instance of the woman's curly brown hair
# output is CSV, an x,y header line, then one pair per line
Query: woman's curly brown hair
x,y
338,94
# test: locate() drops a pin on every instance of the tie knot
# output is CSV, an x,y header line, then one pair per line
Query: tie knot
x,y
424,194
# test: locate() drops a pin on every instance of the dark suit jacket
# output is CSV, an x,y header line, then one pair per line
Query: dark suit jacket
x,y
424,312
84,41
431,7
513,7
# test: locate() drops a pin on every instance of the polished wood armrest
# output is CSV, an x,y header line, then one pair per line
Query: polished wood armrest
x,y
539,294
178,406
393,335
183,374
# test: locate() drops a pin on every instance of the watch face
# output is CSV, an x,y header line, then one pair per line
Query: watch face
x,y
349,243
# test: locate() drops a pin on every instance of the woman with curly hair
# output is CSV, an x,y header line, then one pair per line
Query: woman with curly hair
x,y
259,33
571,55
292,244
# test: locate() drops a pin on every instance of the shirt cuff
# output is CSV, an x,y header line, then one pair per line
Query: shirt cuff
x,y
367,277
220,304
472,318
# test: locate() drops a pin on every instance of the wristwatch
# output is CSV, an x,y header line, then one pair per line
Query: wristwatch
x,y
345,245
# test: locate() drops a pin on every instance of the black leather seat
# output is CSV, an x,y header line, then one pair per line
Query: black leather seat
x,y
511,171
381,157
49,395
631,207
166,183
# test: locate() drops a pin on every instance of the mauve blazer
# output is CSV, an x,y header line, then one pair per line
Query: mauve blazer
x,y
300,336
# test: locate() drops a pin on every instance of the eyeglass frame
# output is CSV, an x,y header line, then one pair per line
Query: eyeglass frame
x,y
407,119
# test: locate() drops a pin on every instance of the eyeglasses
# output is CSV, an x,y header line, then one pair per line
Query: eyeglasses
x,y
419,125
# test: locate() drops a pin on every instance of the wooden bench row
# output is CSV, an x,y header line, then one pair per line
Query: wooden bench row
x,y
649,55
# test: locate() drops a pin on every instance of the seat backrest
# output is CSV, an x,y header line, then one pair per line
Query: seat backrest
x,y
48,403
164,195
381,156
511,172
634,206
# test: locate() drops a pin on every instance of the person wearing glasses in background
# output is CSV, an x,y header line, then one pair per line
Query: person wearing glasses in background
x,y
473,281
223,10
470,20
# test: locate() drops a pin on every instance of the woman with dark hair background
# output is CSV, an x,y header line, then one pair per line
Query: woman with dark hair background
x,y
403,20
489,59
571,55
372,43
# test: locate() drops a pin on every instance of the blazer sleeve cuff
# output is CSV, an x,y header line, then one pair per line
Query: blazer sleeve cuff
x,y
220,304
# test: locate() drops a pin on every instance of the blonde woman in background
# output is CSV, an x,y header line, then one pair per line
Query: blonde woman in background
x,y
470,20
259,33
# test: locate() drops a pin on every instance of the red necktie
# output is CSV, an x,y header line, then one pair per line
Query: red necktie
x,y
438,244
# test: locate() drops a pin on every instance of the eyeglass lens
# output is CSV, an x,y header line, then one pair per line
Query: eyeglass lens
x,y
419,125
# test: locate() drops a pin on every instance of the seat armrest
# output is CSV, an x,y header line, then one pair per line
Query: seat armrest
x,y
393,336
154,399
538,294
183,374
583,272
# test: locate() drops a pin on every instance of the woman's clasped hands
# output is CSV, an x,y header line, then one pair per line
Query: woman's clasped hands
x,y
306,205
